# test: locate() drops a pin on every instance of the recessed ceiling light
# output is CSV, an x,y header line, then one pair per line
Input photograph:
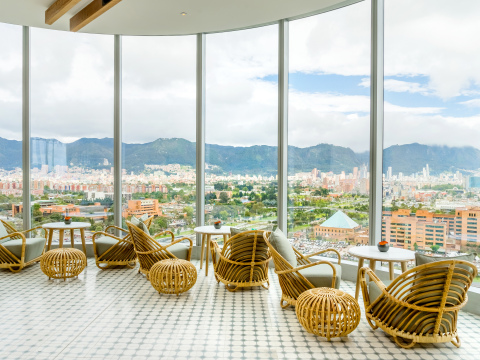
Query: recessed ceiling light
x,y
183,13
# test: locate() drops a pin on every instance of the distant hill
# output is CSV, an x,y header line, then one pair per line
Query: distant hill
x,y
412,158
10,154
258,159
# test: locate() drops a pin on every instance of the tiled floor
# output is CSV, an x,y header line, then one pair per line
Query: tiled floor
x,y
116,314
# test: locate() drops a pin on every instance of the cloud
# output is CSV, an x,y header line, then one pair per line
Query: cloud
x,y
72,80
474,103
393,85
405,128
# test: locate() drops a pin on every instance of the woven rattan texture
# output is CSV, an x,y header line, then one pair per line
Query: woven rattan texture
x,y
63,263
173,276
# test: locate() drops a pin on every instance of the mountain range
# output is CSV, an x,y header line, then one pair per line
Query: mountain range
x,y
258,159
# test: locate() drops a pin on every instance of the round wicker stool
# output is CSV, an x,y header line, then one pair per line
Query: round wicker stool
x,y
327,312
63,263
173,276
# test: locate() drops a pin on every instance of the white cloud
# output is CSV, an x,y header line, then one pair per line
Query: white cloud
x,y
72,80
399,86
475,103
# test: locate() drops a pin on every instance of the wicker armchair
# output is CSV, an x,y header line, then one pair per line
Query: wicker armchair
x,y
18,251
305,275
111,250
422,304
243,261
149,251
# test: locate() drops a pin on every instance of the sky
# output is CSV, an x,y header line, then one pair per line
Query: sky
x,y
432,81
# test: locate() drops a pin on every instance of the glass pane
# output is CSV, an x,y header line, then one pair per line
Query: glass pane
x,y
432,112
159,131
241,128
328,134
72,128
11,182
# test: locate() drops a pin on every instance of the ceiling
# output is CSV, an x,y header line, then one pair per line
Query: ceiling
x,y
163,17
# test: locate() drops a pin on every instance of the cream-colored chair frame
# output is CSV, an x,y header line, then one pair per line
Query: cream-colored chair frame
x,y
292,282
120,254
9,260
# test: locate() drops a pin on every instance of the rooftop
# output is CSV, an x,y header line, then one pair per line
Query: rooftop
x,y
116,314
340,220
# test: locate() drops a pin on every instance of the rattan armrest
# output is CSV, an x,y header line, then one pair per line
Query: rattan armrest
x,y
18,233
364,285
116,227
162,248
298,268
104,233
172,235
32,229
323,251
214,246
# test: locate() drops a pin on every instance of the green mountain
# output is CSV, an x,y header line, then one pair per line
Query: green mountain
x,y
258,159
412,158
10,154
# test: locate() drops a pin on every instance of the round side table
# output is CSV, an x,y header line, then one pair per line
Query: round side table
x,y
327,312
372,254
207,232
61,227
173,276
63,263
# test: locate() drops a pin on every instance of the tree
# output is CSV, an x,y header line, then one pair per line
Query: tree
x,y
415,246
210,196
189,211
223,197
435,248
223,215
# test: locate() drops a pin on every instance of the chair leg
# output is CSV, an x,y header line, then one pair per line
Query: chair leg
x,y
404,343
457,341
284,304
372,325
11,268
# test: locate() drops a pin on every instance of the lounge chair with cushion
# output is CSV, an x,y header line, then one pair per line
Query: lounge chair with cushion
x,y
149,251
110,250
422,304
17,250
243,261
296,272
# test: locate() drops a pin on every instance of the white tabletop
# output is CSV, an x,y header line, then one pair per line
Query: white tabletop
x,y
210,229
372,253
63,226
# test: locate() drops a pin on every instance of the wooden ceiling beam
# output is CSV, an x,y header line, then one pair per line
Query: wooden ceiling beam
x,y
90,13
58,9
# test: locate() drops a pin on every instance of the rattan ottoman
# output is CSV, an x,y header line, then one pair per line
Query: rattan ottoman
x,y
327,312
63,263
173,276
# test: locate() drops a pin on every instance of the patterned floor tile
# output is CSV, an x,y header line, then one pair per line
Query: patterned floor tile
x,y
116,314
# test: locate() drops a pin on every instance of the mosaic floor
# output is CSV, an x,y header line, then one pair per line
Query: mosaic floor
x,y
116,314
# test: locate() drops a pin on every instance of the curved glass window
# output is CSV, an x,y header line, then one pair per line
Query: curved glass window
x,y
328,130
11,125
432,112
159,127
72,128
241,128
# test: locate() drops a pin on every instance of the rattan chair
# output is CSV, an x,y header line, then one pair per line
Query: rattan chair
x,y
18,251
305,275
110,250
149,251
243,261
422,304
